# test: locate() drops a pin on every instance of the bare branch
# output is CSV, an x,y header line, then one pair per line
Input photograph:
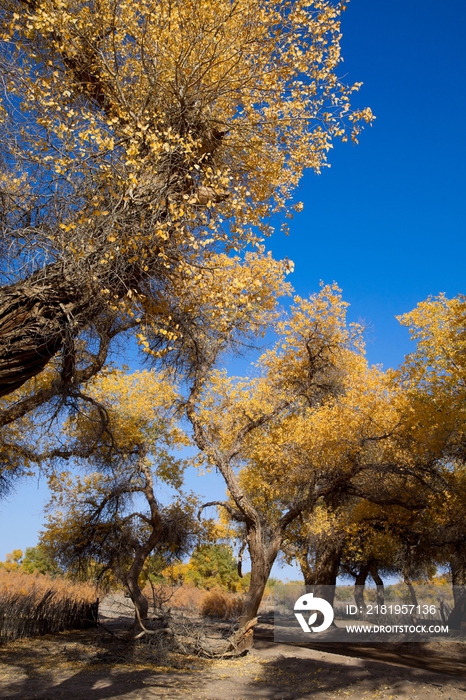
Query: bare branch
x,y
235,514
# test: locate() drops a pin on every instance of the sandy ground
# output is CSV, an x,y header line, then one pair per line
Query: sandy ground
x,y
94,665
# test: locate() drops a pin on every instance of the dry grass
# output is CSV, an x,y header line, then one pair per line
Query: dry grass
x,y
37,604
214,603
192,600
188,598
218,603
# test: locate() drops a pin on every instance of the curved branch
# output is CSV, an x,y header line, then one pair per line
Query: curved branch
x,y
57,388
235,514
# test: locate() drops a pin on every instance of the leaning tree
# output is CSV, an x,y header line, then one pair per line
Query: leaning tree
x,y
138,140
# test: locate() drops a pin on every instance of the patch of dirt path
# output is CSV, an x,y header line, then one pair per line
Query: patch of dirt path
x,y
94,665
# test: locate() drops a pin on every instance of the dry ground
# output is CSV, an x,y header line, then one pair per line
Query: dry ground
x,y
95,665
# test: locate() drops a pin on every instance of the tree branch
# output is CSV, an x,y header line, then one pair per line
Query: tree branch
x,y
235,514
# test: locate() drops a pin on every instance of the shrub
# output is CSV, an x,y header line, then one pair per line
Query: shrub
x,y
218,603
213,566
188,598
286,594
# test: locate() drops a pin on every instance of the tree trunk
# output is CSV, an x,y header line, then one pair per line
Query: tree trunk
x,y
379,585
263,556
458,615
141,604
323,577
359,588
412,592
458,574
262,560
36,317
458,579
131,581
306,568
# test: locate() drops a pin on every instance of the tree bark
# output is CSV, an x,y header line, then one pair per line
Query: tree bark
x,y
458,573
141,604
457,616
412,592
142,551
42,314
262,556
359,584
36,317
379,585
323,576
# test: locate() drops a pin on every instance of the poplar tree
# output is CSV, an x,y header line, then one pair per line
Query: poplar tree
x,y
139,139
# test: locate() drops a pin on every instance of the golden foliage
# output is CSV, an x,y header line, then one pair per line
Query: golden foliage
x,y
435,373
157,131
230,96
315,413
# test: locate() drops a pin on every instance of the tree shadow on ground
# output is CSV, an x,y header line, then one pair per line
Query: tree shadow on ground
x,y
289,677
446,656
86,665
96,665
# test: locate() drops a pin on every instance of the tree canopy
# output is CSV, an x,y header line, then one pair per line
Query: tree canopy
x,y
111,518
314,424
139,139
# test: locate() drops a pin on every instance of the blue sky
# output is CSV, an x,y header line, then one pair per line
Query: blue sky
x,y
387,220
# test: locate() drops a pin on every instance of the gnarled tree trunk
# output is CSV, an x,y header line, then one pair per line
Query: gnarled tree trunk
x,y
323,576
36,317
458,579
263,555
458,572
130,580
42,314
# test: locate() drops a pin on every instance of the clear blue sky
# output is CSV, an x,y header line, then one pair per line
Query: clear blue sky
x,y
387,220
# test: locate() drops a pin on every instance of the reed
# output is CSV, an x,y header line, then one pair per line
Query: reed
x,y
38,604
